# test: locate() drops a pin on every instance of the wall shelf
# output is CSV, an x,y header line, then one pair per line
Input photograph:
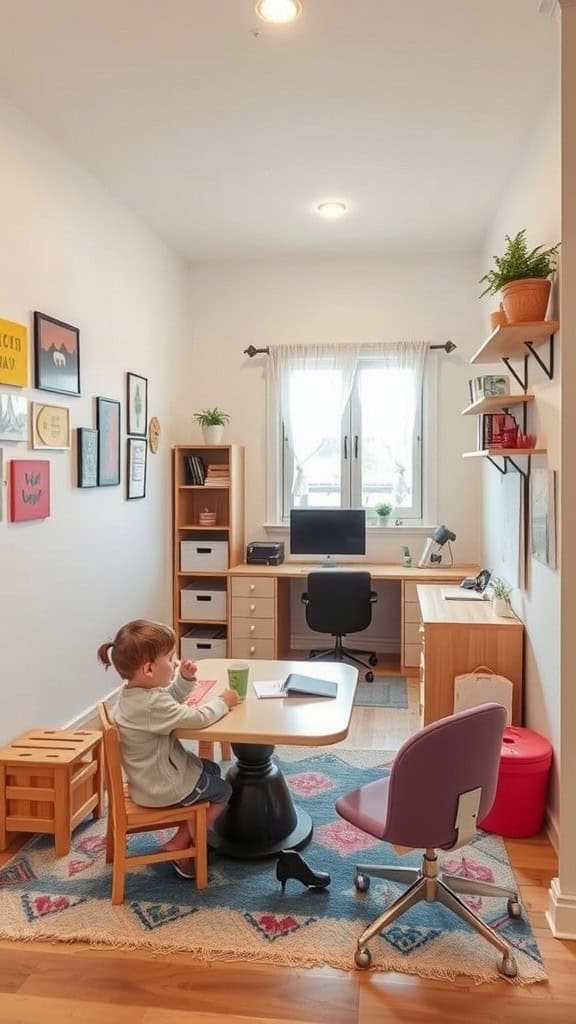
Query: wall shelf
x,y
509,458
511,340
495,403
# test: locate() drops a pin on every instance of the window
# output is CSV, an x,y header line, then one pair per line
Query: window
x,y
350,435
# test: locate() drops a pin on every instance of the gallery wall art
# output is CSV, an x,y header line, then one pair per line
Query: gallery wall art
x,y
87,457
57,355
136,404
543,516
13,417
29,489
13,354
136,469
51,426
108,417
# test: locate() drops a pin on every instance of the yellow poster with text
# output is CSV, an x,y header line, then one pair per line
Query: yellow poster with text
x,y
13,354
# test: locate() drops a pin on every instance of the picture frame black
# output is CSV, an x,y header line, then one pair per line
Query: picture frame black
x,y
136,405
56,355
136,467
87,457
108,424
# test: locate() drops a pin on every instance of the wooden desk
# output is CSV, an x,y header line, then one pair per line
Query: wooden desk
x,y
261,818
458,637
259,604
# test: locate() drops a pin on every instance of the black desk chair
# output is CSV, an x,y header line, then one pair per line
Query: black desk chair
x,y
340,603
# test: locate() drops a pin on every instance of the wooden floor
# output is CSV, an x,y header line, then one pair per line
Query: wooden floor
x,y
51,984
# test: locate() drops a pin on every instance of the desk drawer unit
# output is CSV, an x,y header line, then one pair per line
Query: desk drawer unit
x,y
253,617
411,623
252,586
263,649
253,608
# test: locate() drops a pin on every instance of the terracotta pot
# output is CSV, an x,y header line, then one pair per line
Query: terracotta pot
x,y
526,300
498,319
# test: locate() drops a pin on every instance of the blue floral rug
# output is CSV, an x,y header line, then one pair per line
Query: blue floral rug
x,y
243,914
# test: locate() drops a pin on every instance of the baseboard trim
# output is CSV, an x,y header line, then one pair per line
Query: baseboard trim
x,y
308,641
85,716
561,913
552,830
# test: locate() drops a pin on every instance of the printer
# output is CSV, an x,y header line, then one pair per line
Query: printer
x,y
262,552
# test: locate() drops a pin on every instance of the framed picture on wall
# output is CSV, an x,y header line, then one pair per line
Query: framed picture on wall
x,y
108,419
543,516
51,426
13,354
87,457
29,489
13,417
136,474
57,355
136,404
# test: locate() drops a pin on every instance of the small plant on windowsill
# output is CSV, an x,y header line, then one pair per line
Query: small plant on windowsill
x,y
383,512
212,422
501,591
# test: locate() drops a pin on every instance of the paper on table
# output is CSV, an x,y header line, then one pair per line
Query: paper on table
x,y
203,686
270,688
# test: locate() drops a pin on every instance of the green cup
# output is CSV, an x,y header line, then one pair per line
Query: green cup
x,y
238,679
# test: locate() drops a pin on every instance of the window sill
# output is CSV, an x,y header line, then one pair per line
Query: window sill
x,y
402,528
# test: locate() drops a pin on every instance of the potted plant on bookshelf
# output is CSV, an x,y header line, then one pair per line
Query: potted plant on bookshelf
x,y
212,422
522,275
501,591
383,512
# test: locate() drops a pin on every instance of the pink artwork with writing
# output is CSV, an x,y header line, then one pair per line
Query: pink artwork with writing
x,y
29,489
203,687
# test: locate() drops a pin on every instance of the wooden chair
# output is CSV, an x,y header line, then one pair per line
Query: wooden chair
x,y
126,818
206,749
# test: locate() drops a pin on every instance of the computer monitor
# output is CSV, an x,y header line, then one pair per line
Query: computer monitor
x,y
327,531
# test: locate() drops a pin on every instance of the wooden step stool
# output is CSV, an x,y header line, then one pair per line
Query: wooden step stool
x,y
50,780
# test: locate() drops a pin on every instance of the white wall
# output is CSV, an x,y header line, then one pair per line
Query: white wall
x,y
67,583
432,298
435,297
533,201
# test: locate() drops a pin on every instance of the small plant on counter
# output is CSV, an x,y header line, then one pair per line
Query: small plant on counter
x,y
211,418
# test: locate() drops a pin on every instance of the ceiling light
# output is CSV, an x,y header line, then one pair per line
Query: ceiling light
x,y
279,11
331,209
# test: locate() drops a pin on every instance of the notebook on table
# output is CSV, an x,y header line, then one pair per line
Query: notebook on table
x,y
295,685
460,594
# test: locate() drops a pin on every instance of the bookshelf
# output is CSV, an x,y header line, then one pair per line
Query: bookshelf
x,y
212,550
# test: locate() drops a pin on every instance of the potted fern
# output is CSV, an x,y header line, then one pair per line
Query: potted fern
x,y
501,591
522,275
383,511
212,422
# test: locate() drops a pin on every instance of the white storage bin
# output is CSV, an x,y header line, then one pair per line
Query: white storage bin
x,y
203,643
199,603
203,555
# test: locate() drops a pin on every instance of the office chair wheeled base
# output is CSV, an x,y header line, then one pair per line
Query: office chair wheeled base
x,y
341,653
427,885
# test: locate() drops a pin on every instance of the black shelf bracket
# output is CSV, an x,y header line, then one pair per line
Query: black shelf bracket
x,y
522,381
503,470
508,460
548,367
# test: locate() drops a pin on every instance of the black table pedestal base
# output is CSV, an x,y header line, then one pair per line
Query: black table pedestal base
x,y
261,818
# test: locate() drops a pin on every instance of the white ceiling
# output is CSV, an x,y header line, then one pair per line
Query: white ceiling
x,y
414,111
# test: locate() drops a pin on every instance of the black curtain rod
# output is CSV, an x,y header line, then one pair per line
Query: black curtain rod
x,y
447,347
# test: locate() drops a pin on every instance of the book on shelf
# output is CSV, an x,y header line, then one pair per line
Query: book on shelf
x,y
488,386
496,430
195,469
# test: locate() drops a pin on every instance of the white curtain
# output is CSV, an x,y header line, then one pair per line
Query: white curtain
x,y
327,373
398,437
319,377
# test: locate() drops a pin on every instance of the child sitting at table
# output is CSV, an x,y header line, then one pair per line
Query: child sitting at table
x,y
159,770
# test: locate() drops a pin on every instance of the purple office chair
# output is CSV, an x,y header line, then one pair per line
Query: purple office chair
x,y
443,780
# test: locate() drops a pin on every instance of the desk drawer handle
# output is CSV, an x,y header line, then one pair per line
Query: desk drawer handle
x,y
252,587
252,629
252,649
252,607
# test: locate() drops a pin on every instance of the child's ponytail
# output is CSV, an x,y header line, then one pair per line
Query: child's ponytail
x,y
103,654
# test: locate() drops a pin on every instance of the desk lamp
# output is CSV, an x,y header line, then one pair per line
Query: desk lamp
x,y
432,551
